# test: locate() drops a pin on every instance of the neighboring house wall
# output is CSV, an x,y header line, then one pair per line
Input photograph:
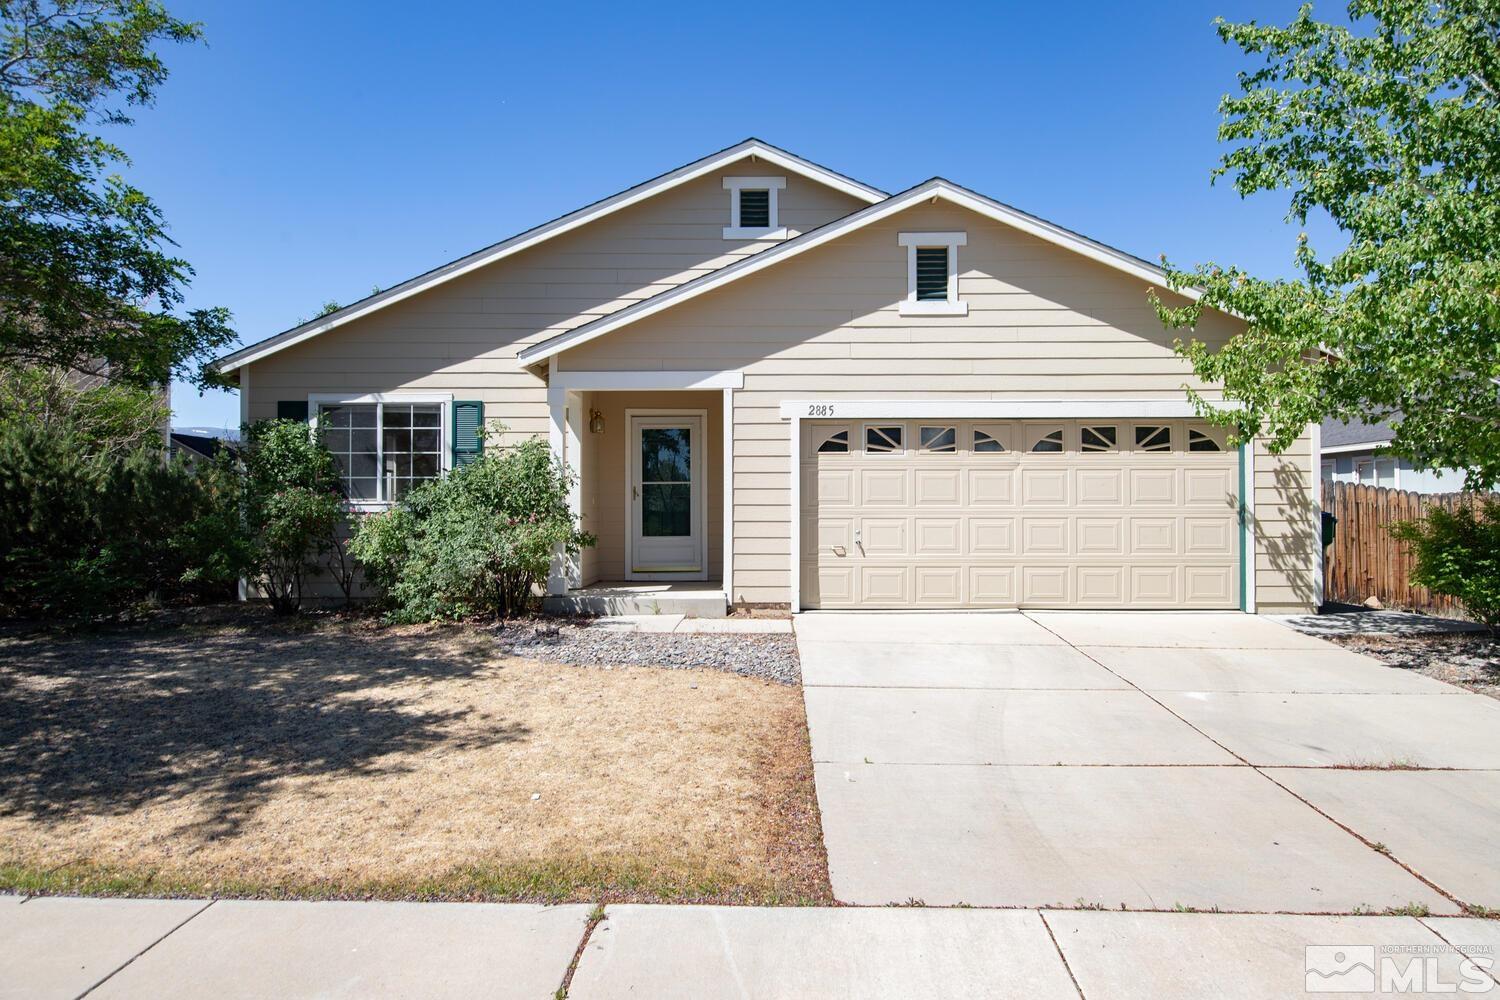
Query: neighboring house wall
x,y
1043,324
1375,468
462,336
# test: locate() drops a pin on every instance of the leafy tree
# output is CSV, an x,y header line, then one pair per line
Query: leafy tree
x,y
1458,554
86,279
1389,126
292,507
106,417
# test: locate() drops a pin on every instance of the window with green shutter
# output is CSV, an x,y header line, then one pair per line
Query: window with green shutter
x,y
468,432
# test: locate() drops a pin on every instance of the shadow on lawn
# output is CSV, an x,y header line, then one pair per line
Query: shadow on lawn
x,y
105,724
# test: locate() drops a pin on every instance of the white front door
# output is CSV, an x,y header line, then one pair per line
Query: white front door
x,y
666,498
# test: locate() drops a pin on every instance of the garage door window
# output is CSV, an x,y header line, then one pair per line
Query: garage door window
x,y
1098,439
1048,442
988,441
1199,441
938,439
836,443
1150,437
885,440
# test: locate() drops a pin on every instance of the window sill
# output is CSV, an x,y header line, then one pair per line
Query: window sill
x,y
741,233
930,308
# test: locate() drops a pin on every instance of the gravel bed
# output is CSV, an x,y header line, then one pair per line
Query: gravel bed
x,y
772,657
1470,661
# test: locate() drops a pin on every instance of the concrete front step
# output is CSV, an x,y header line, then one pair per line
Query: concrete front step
x,y
691,600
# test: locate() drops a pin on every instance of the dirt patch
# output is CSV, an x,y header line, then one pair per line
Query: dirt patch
x,y
1470,660
341,759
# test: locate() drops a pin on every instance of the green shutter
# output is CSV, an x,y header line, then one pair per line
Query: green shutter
x,y
292,409
468,432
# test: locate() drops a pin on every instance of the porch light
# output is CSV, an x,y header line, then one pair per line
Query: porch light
x,y
596,422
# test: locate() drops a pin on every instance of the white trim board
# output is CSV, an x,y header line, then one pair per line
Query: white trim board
x,y
834,408
933,189
1344,449
531,237
644,380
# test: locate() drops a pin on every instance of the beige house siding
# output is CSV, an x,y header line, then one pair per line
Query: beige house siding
x,y
462,336
1044,324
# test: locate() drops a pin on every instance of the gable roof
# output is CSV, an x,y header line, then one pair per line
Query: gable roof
x,y
937,187
531,237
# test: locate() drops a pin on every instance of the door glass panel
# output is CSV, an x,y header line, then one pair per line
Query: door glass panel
x,y
666,455
666,510
666,482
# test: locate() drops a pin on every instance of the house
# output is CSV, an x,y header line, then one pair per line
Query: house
x,y
781,386
1356,453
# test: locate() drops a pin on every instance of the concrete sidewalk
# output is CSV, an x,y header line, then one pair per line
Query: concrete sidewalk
x,y
70,948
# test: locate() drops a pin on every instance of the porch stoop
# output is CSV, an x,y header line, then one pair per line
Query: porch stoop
x,y
696,599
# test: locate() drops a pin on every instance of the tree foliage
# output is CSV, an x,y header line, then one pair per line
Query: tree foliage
x,y
89,531
87,282
292,505
1389,126
476,542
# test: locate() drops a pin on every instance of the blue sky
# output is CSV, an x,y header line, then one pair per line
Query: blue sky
x,y
310,151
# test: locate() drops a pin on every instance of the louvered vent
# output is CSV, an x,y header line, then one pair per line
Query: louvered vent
x,y
932,274
755,209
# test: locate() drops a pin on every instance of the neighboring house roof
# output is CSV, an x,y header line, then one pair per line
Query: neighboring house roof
x,y
200,444
937,187
1337,434
531,237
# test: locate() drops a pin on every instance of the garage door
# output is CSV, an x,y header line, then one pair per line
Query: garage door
x,y
1037,514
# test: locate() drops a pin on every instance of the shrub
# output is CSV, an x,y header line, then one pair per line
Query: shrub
x,y
292,506
476,542
86,533
1458,555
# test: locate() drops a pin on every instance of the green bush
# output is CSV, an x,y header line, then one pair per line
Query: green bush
x,y
86,533
292,506
476,542
1458,555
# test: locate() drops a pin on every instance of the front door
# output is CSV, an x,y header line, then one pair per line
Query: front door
x,y
666,499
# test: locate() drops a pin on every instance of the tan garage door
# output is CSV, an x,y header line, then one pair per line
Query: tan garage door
x,y
1037,514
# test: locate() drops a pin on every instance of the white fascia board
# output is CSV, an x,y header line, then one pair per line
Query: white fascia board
x,y
1344,449
530,238
988,409
938,188
571,381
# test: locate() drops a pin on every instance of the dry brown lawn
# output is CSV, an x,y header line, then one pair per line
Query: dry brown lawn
x,y
343,759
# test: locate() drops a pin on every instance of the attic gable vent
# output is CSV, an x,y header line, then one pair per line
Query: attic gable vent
x,y
755,208
932,274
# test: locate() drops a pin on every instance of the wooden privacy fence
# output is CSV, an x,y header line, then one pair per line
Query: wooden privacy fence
x,y
1364,560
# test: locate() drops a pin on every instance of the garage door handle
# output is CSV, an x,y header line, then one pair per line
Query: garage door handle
x,y
839,550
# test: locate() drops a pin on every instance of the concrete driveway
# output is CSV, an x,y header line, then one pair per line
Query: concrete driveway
x,y
1142,760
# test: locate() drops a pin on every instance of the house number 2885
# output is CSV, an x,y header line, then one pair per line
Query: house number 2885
x,y
820,409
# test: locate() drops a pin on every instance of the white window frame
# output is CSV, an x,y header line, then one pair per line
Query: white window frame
x,y
317,400
735,231
952,306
